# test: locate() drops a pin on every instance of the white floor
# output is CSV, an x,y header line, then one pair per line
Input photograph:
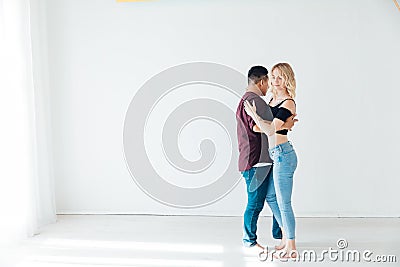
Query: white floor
x,y
140,240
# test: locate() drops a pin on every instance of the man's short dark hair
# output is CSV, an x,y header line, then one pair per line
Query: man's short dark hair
x,y
256,73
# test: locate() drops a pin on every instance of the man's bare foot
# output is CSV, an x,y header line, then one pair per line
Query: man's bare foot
x,y
259,246
256,249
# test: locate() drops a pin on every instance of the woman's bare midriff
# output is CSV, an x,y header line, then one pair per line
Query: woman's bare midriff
x,y
277,139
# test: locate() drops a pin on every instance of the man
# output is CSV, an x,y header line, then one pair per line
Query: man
x,y
254,161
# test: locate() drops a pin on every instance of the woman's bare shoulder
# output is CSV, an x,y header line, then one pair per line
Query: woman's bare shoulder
x,y
290,104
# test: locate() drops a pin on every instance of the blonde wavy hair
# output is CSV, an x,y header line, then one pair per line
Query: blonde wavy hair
x,y
287,74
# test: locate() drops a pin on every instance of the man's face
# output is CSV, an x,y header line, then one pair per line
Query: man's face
x,y
264,85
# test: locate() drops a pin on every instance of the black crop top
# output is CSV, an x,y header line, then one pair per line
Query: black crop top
x,y
281,113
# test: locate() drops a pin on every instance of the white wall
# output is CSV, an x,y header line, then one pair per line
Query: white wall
x,y
345,55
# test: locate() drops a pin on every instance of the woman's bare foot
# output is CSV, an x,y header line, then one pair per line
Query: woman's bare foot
x,y
281,245
286,254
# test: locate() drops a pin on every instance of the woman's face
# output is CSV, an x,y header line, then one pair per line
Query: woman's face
x,y
277,80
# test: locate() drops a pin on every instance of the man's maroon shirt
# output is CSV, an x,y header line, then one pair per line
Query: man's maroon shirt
x,y
253,146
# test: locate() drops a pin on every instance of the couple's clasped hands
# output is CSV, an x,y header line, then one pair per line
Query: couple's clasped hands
x,y
251,110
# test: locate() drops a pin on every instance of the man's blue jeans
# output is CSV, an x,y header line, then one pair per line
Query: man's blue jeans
x,y
260,188
276,230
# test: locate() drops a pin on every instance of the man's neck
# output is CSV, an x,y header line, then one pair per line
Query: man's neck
x,y
254,89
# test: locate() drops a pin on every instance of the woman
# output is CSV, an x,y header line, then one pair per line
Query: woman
x,y
282,104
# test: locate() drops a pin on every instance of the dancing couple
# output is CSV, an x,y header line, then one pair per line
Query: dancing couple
x,y
267,159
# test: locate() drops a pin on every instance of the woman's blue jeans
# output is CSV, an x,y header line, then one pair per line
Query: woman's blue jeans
x,y
285,163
